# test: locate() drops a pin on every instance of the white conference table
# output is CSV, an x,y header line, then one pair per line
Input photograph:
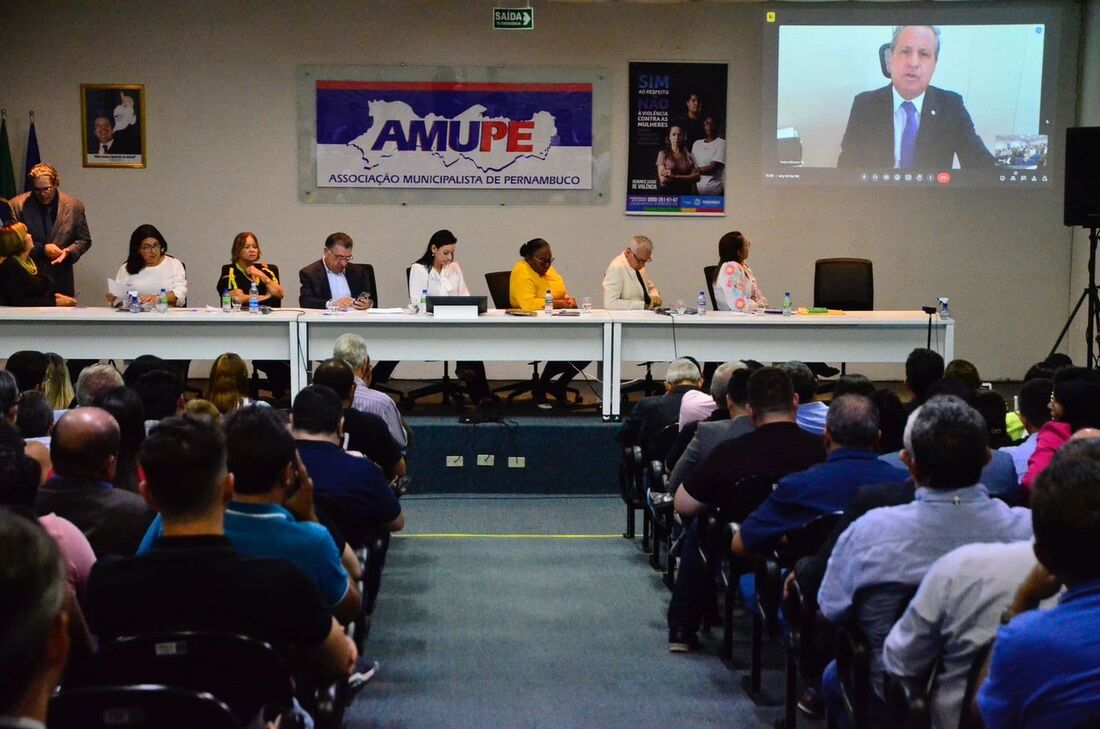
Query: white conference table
x,y
494,336
104,333
608,338
858,336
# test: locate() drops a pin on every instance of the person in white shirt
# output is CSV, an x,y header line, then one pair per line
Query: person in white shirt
x,y
148,269
626,284
710,156
438,273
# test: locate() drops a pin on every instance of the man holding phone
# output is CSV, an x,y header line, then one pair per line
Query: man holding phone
x,y
334,282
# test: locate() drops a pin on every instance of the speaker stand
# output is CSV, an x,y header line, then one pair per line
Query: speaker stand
x,y
1092,325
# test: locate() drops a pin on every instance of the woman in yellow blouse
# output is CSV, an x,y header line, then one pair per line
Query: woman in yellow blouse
x,y
531,278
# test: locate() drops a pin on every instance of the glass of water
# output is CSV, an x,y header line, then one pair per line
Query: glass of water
x,y
680,308
586,305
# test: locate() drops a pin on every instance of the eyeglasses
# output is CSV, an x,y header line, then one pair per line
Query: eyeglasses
x,y
44,190
544,261
345,259
149,249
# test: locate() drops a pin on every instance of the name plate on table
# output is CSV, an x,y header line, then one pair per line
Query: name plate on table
x,y
456,307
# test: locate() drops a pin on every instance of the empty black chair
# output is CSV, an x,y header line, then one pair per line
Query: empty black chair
x,y
245,673
844,283
138,707
632,486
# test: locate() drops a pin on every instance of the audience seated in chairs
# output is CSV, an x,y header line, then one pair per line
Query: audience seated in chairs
x,y
194,579
653,414
84,452
1033,414
35,419
894,547
923,368
710,434
952,618
775,448
811,411
692,413
367,433
851,434
18,486
272,512
161,393
349,488
1043,668
57,384
29,367
125,407
353,349
93,381
1074,404
35,617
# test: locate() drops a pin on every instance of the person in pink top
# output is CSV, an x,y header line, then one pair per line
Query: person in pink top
x,y
18,483
1074,404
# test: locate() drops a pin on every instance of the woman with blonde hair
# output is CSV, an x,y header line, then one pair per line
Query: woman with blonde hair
x,y
228,383
244,269
57,385
21,284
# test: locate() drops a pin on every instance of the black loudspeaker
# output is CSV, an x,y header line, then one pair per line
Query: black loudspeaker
x,y
1082,177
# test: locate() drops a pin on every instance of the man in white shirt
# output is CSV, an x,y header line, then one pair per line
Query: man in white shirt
x,y
710,156
627,285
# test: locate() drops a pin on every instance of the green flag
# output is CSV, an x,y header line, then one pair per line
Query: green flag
x,y
7,174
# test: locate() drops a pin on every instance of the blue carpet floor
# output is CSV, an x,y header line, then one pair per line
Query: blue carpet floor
x,y
559,624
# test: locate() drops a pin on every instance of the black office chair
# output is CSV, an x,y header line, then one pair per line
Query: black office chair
x,y
144,706
245,673
451,390
708,274
844,283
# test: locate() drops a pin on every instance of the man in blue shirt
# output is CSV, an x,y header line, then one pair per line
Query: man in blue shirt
x,y
851,434
1045,666
895,546
272,514
350,489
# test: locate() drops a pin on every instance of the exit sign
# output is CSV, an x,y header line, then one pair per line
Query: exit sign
x,y
513,18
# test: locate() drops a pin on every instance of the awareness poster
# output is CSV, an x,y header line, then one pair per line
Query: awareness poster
x,y
677,153
432,135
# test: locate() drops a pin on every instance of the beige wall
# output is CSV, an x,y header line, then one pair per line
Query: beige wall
x,y
220,85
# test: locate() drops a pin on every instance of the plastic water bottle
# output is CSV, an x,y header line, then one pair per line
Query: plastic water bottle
x,y
162,302
135,302
423,301
253,299
227,303
943,310
701,304
787,304
548,306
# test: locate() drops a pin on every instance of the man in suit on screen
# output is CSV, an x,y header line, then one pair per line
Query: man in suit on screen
x,y
910,124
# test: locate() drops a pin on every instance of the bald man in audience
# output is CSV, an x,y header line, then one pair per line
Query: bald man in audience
x,y
84,452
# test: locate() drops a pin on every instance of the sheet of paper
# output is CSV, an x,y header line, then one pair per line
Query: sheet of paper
x,y
117,289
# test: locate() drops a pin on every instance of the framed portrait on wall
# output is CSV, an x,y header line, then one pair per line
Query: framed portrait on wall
x,y
113,125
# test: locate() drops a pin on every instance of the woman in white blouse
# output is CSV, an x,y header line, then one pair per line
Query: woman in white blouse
x,y
148,269
438,273
735,287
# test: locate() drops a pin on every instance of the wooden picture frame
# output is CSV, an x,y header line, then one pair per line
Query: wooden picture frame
x,y
112,118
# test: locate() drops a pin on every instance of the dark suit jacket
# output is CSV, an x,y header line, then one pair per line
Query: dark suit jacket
x,y
650,416
69,232
19,288
945,130
315,291
113,520
127,141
